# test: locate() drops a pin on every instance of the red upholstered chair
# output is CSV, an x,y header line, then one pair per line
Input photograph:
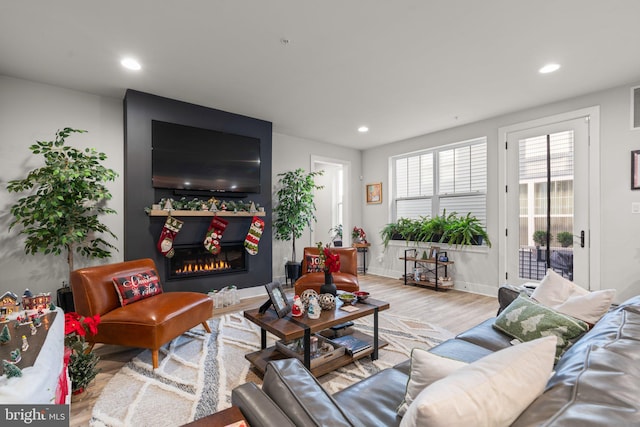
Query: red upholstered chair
x,y
146,323
346,279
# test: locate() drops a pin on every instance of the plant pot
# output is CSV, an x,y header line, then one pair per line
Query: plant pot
x,y
293,270
337,243
328,287
477,240
397,236
436,238
541,254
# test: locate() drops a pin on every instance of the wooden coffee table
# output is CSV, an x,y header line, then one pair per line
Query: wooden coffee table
x,y
289,328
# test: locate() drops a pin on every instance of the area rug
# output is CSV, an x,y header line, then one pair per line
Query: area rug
x,y
197,371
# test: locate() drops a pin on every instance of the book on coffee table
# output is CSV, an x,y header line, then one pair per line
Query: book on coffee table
x,y
352,344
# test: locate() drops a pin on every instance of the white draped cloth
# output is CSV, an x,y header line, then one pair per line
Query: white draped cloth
x,y
38,383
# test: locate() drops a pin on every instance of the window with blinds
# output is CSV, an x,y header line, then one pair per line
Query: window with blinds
x,y
451,178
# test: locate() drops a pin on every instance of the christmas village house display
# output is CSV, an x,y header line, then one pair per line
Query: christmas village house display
x,y
21,342
17,325
8,304
36,302
32,362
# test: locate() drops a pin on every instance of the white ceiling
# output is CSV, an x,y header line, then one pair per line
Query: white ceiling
x,y
403,68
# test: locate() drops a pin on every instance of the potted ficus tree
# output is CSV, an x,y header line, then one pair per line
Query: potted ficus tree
x,y
540,238
565,238
295,210
66,197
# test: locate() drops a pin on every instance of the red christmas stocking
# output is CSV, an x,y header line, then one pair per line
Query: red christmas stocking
x,y
169,231
214,234
253,236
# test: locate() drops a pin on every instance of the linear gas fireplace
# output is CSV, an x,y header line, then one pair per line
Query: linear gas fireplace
x,y
196,261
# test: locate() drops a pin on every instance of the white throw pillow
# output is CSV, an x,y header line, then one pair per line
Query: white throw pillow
x,y
492,391
426,368
554,289
566,297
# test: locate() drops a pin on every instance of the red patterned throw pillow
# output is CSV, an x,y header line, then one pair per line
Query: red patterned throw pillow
x,y
313,264
137,286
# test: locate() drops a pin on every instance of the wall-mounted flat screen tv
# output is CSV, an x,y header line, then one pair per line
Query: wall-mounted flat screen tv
x,y
190,158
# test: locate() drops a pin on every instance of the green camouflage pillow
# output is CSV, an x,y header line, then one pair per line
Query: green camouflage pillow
x,y
526,320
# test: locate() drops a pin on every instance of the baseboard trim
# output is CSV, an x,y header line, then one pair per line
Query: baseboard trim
x,y
474,288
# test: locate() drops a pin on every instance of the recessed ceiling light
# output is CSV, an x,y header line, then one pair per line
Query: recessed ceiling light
x,y
549,68
131,64
363,129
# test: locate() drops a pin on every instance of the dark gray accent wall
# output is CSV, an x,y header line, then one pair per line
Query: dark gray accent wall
x,y
141,232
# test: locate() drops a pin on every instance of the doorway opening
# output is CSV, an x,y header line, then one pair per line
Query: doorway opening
x,y
331,201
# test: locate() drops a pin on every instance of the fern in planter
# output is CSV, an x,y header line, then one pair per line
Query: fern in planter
x,y
67,196
436,227
465,231
388,233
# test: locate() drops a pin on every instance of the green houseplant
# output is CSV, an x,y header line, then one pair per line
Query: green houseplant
x,y
434,229
67,195
445,228
295,209
565,239
388,233
465,231
336,237
540,238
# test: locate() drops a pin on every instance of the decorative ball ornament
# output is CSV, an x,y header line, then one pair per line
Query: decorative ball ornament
x,y
306,295
327,301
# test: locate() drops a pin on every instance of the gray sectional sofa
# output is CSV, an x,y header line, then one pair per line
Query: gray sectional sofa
x,y
595,383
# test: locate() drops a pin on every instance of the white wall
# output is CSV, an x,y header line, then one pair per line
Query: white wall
x,y
477,269
32,111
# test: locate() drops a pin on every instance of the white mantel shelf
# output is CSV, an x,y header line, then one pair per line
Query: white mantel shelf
x,y
156,212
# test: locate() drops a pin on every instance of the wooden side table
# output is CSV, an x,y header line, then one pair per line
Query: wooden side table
x,y
225,418
364,249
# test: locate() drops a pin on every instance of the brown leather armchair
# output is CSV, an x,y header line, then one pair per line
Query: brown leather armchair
x,y
346,279
147,323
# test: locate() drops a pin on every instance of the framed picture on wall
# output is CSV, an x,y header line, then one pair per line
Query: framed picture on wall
x,y
635,170
374,193
635,108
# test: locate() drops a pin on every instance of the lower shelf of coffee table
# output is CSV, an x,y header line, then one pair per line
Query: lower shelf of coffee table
x,y
259,359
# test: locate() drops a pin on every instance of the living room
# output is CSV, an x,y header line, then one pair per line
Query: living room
x,y
33,106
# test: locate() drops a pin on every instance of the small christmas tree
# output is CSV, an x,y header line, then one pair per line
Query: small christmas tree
x,y
11,370
82,363
5,335
82,370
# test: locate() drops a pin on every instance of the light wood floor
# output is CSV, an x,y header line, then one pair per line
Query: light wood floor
x,y
452,310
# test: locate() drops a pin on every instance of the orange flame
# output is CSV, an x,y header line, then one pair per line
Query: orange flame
x,y
203,267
